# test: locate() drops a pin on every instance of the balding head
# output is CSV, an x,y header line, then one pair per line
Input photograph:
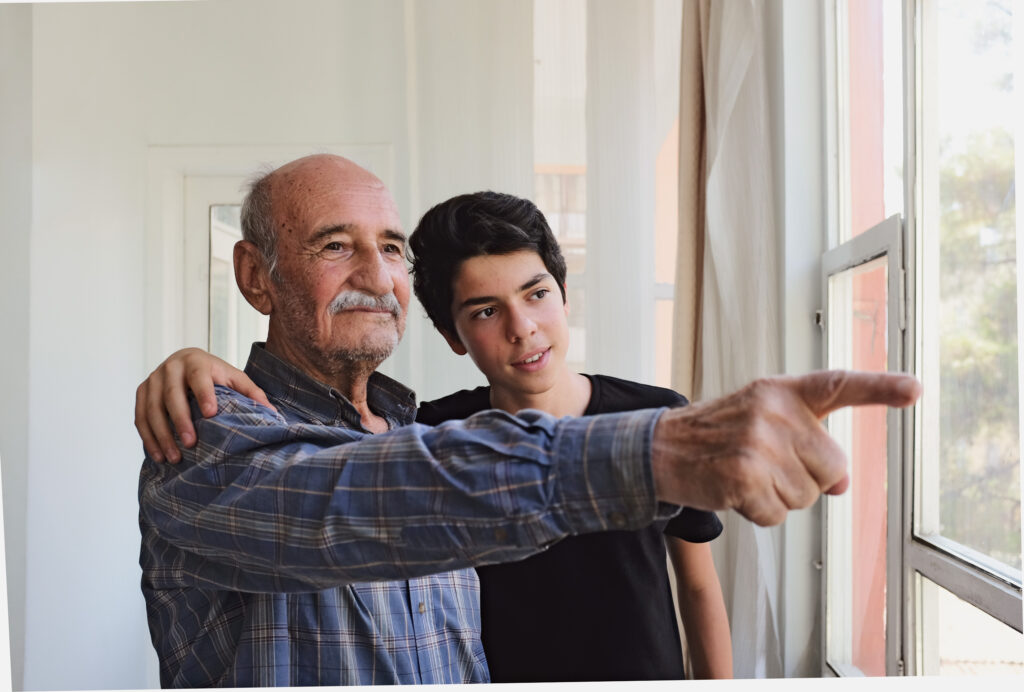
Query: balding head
x,y
275,193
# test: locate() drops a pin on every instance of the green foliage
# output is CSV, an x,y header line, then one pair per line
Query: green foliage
x,y
980,459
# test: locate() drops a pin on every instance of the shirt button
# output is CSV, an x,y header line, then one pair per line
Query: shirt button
x,y
422,608
617,519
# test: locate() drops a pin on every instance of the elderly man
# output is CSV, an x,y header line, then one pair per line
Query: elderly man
x,y
299,546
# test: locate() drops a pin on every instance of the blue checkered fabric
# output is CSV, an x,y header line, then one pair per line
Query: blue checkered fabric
x,y
295,548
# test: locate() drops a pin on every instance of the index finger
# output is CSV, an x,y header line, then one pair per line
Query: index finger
x,y
828,390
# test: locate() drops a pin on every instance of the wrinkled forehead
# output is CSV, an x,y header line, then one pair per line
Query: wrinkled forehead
x,y
312,197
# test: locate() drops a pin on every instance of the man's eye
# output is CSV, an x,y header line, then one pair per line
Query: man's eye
x,y
484,314
541,292
333,246
393,249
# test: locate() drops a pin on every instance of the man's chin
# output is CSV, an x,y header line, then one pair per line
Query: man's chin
x,y
367,351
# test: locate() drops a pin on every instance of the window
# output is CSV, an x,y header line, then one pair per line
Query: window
x,y
560,147
561,195
567,156
921,277
234,324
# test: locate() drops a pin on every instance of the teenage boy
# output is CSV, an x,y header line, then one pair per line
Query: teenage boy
x,y
491,277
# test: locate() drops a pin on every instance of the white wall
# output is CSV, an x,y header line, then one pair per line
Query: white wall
x,y
796,74
15,221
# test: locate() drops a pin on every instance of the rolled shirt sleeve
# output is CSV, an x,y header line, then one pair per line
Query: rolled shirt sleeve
x,y
267,505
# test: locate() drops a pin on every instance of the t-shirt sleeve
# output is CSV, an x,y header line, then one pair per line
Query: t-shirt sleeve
x,y
694,525
677,399
457,406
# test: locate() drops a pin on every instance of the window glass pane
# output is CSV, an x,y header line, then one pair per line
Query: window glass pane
x,y
955,638
871,114
221,280
234,324
576,357
560,146
663,342
856,521
668,19
970,476
560,192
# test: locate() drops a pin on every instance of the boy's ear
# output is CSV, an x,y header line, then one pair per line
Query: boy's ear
x,y
252,276
454,342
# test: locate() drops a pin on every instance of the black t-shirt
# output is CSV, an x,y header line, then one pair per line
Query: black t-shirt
x,y
592,607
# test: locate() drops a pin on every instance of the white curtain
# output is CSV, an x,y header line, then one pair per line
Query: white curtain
x,y
727,308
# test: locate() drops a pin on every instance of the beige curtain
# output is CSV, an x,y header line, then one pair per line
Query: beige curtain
x,y
690,252
726,322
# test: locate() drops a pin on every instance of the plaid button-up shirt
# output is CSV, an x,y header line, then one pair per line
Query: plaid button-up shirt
x,y
294,548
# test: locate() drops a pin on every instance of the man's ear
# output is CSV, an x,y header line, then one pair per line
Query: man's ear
x,y
454,342
565,299
252,276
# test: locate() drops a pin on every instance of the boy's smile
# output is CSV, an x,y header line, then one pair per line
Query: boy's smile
x,y
534,361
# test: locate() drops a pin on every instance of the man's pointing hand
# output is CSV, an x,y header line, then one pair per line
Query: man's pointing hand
x,y
762,450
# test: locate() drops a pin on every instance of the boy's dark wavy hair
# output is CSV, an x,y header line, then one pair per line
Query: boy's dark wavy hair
x,y
481,223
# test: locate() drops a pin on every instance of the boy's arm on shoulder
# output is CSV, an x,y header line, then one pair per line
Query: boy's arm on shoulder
x,y
162,402
701,608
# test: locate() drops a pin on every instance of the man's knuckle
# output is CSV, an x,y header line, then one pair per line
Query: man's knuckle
x,y
755,390
760,431
747,474
803,496
832,385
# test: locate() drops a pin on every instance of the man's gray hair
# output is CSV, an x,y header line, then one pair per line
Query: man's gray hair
x,y
258,219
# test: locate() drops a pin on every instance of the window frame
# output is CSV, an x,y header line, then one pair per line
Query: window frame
x,y
971,576
885,239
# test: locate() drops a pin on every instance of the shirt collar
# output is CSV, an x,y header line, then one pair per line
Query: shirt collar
x,y
285,383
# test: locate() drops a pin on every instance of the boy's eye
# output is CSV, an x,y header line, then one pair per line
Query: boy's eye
x,y
484,314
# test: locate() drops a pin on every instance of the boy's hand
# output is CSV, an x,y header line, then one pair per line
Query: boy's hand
x,y
164,394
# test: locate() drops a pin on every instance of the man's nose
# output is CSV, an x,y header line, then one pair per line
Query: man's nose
x,y
519,325
372,274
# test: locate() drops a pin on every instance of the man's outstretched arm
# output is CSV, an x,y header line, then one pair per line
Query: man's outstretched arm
x,y
262,505
266,503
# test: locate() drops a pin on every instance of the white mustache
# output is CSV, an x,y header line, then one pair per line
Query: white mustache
x,y
347,300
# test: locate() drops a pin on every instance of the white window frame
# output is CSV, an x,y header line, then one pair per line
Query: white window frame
x,y
971,576
886,239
